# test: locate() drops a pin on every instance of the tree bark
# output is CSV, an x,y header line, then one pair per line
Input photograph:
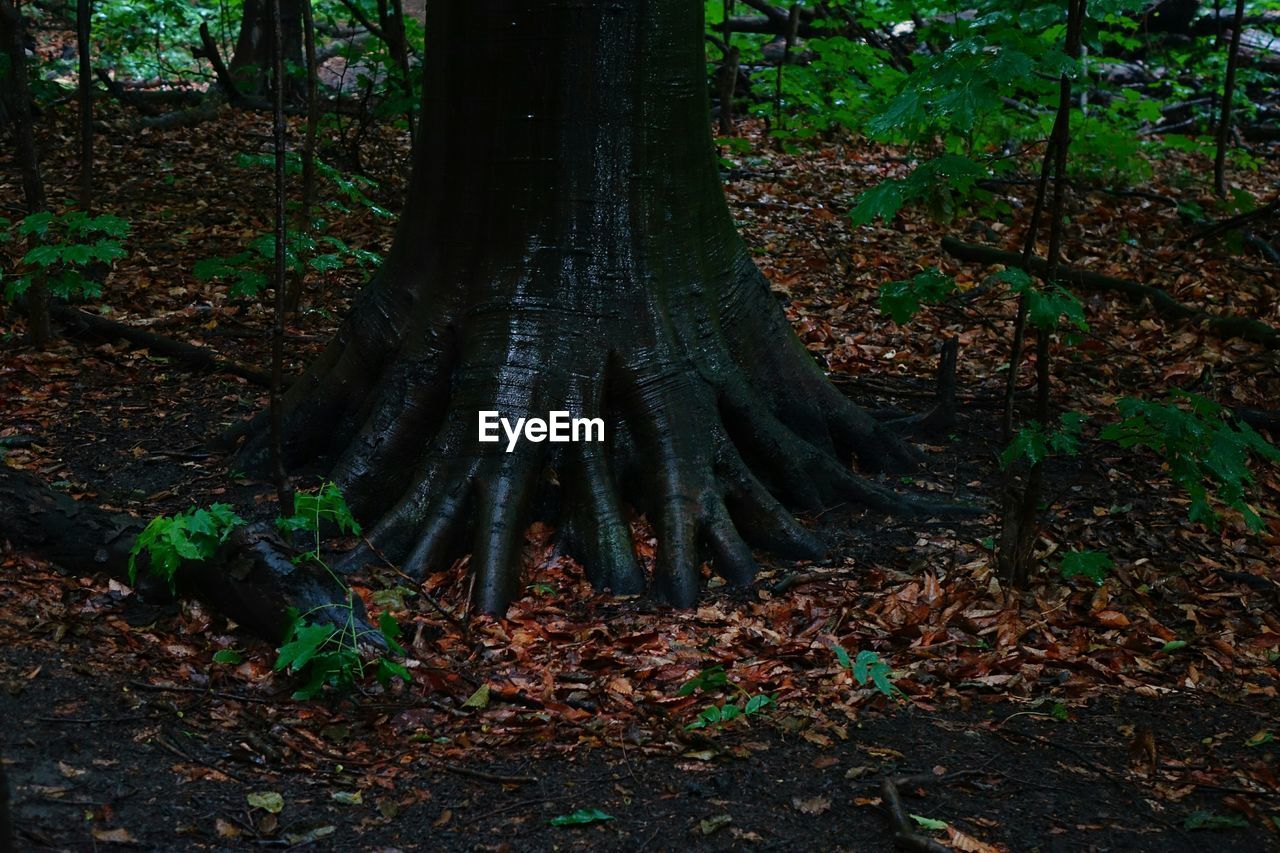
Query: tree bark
x,y
1228,94
17,99
250,65
566,245
84,16
253,580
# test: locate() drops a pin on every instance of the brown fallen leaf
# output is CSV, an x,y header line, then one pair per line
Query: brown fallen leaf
x,y
967,843
226,829
812,806
120,835
1112,618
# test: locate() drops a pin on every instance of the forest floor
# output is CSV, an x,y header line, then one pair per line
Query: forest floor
x,y
1135,714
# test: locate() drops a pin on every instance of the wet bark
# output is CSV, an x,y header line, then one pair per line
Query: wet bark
x,y
567,246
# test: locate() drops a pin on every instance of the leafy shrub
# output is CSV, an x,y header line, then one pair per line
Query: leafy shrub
x,y
194,535
1205,450
324,650
66,246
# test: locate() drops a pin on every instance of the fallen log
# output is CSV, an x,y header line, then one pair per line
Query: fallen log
x,y
76,321
252,580
1160,300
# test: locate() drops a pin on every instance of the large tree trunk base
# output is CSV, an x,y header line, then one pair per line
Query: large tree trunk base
x,y
567,247
711,433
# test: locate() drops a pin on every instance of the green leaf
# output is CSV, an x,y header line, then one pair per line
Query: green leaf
x,y
581,817
228,656
305,643
268,801
390,630
43,256
389,669
929,823
1173,646
1259,738
882,201
902,299
1208,820
711,678
1028,443
36,224
1093,565
479,699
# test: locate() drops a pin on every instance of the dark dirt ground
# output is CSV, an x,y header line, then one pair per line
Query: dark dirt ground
x,y
92,753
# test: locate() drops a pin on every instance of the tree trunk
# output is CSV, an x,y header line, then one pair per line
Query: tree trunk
x,y
1228,93
84,16
16,95
566,246
250,64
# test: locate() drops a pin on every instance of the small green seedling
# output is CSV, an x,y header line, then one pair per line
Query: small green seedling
x,y
714,679
868,667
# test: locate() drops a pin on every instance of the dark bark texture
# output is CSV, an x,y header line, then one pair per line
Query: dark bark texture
x,y
252,579
567,246
15,94
251,63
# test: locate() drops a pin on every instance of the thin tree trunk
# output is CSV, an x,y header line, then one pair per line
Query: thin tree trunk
x,y
298,284
1228,92
793,27
17,96
277,329
1019,524
84,20
399,47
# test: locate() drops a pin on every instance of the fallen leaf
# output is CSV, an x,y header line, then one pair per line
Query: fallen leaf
x,y
1112,618
967,843
812,806
479,699
714,824
114,836
268,801
226,829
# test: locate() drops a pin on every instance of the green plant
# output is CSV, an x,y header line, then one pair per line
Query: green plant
x,y
902,300
1093,565
1034,443
1205,450
581,817
194,535
66,246
868,667
310,248
714,679
327,652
